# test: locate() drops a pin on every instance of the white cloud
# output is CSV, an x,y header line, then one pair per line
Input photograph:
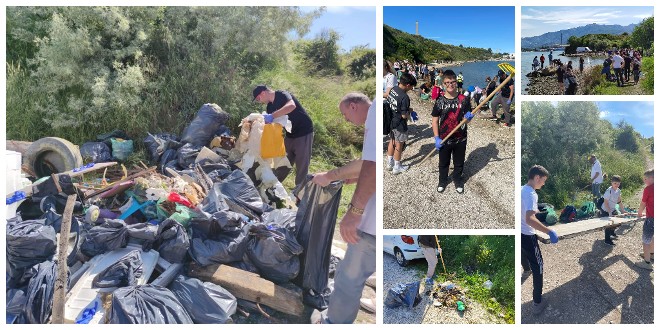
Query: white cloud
x,y
603,114
349,9
643,16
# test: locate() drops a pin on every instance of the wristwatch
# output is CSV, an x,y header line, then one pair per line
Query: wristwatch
x,y
354,210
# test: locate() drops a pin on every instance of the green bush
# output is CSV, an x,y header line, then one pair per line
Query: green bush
x,y
320,56
647,69
361,62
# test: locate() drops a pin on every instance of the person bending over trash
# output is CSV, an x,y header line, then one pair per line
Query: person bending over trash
x,y
358,226
299,142
448,111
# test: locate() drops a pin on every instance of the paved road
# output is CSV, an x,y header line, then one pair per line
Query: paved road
x,y
587,281
410,199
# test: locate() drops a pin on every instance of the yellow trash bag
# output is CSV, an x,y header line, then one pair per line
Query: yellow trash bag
x,y
272,142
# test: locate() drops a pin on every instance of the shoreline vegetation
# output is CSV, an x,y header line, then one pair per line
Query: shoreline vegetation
x,y
448,64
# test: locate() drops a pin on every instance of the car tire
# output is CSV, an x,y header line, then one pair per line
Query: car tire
x,y
52,155
400,257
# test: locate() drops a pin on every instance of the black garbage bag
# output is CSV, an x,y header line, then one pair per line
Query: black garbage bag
x,y
216,246
40,291
186,155
143,231
48,188
147,304
318,300
216,171
285,218
168,159
242,196
207,303
223,131
315,227
51,218
28,243
274,250
125,272
201,130
403,294
95,152
157,144
16,303
110,235
245,265
117,134
172,241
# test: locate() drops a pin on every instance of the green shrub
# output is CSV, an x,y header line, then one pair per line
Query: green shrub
x,y
647,68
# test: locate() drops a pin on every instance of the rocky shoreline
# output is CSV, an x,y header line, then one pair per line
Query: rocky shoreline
x,y
544,82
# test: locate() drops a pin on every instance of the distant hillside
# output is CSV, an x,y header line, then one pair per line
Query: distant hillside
x,y
401,45
553,38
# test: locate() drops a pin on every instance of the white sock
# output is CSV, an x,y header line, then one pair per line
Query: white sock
x,y
390,159
397,163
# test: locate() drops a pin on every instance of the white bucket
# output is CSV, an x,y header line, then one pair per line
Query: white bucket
x,y
14,180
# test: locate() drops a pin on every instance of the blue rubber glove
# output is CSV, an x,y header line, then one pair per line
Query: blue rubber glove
x,y
438,142
413,115
553,237
468,116
268,118
508,102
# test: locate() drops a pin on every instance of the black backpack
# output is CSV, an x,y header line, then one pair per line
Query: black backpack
x,y
387,118
568,214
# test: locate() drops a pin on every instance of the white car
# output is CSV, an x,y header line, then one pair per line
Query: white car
x,y
403,247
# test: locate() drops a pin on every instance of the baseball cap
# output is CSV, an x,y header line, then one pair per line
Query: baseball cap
x,y
500,72
257,90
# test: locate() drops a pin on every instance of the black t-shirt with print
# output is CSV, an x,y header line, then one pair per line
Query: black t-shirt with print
x,y
450,116
301,123
399,105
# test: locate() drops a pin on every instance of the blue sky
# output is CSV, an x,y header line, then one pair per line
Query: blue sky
x,y
539,20
356,25
482,27
638,114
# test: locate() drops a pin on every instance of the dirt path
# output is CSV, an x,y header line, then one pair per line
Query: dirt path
x,y
587,281
410,199
425,312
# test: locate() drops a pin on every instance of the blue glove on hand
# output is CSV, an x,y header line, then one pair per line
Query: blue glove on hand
x,y
468,116
508,102
553,237
413,115
268,118
438,142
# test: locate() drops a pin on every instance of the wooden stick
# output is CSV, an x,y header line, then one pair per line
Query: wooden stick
x,y
473,112
441,258
59,296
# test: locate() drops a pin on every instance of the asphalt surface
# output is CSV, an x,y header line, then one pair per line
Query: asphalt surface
x,y
410,199
425,312
587,281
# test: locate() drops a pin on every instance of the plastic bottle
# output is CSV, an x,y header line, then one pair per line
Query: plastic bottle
x,y
460,306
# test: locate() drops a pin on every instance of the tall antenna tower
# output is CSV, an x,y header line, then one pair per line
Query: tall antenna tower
x,y
416,28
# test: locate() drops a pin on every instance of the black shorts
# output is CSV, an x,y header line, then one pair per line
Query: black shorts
x,y
460,85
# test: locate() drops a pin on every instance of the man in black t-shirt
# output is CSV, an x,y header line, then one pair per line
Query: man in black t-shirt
x,y
504,98
448,111
299,142
399,103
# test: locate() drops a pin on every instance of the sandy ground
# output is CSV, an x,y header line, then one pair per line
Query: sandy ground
x,y
587,281
425,312
410,199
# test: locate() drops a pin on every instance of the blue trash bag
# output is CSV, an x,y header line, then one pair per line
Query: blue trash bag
x,y
121,149
403,295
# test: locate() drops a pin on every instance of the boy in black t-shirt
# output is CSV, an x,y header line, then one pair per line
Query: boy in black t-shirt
x,y
448,111
399,104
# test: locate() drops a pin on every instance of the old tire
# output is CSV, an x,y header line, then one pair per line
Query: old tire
x,y
52,155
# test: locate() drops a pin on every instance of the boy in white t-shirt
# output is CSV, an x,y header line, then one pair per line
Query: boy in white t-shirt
x,y
611,198
531,253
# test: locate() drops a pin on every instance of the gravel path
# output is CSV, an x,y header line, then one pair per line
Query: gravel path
x,y
425,312
410,199
587,281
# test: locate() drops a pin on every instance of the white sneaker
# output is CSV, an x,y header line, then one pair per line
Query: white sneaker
x,y
316,317
459,190
400,169
441,188
390,165
368,304
371,281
